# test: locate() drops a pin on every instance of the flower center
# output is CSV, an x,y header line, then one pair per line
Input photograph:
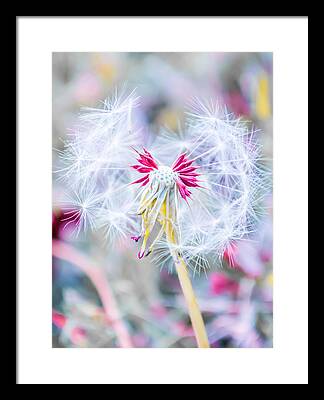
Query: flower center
x,y
164,176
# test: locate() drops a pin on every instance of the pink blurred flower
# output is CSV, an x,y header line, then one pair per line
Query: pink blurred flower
x,y
247,258
250,256
158,311
237,103
140,340
239,326
220,283
77,335
183,329
60,228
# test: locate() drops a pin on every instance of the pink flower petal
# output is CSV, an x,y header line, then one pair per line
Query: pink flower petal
x,y
144,178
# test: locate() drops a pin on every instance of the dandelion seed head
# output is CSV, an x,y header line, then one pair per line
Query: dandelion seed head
x,y
200,189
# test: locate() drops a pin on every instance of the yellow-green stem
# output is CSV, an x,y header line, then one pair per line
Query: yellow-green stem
x,y
182,270
189,294
193,308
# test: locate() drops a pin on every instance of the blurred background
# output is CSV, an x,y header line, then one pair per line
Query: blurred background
x,y
105,297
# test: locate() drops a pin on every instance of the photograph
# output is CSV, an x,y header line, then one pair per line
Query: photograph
x,y
162,211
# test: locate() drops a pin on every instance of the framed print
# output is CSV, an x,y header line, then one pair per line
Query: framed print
x,y
160,180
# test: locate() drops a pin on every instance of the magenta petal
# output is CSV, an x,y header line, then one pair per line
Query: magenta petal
x,y
144,170
145,182
183,165
144,178
189,182
141,169
188,173
147,162
150,158
148,154
187,170
184,192
146,158
178,160
144,161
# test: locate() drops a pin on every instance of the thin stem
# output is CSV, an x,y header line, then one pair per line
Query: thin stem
x,y
193,307
188,292
68,253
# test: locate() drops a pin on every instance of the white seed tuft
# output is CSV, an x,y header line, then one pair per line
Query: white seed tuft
x,y
96,169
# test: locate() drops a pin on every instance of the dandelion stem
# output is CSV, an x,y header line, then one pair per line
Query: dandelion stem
x,y
194,311
188,292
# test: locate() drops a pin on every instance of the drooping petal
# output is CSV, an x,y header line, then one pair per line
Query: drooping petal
x,y
146,181
190,182
144,178
141,169
184,192
191,174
